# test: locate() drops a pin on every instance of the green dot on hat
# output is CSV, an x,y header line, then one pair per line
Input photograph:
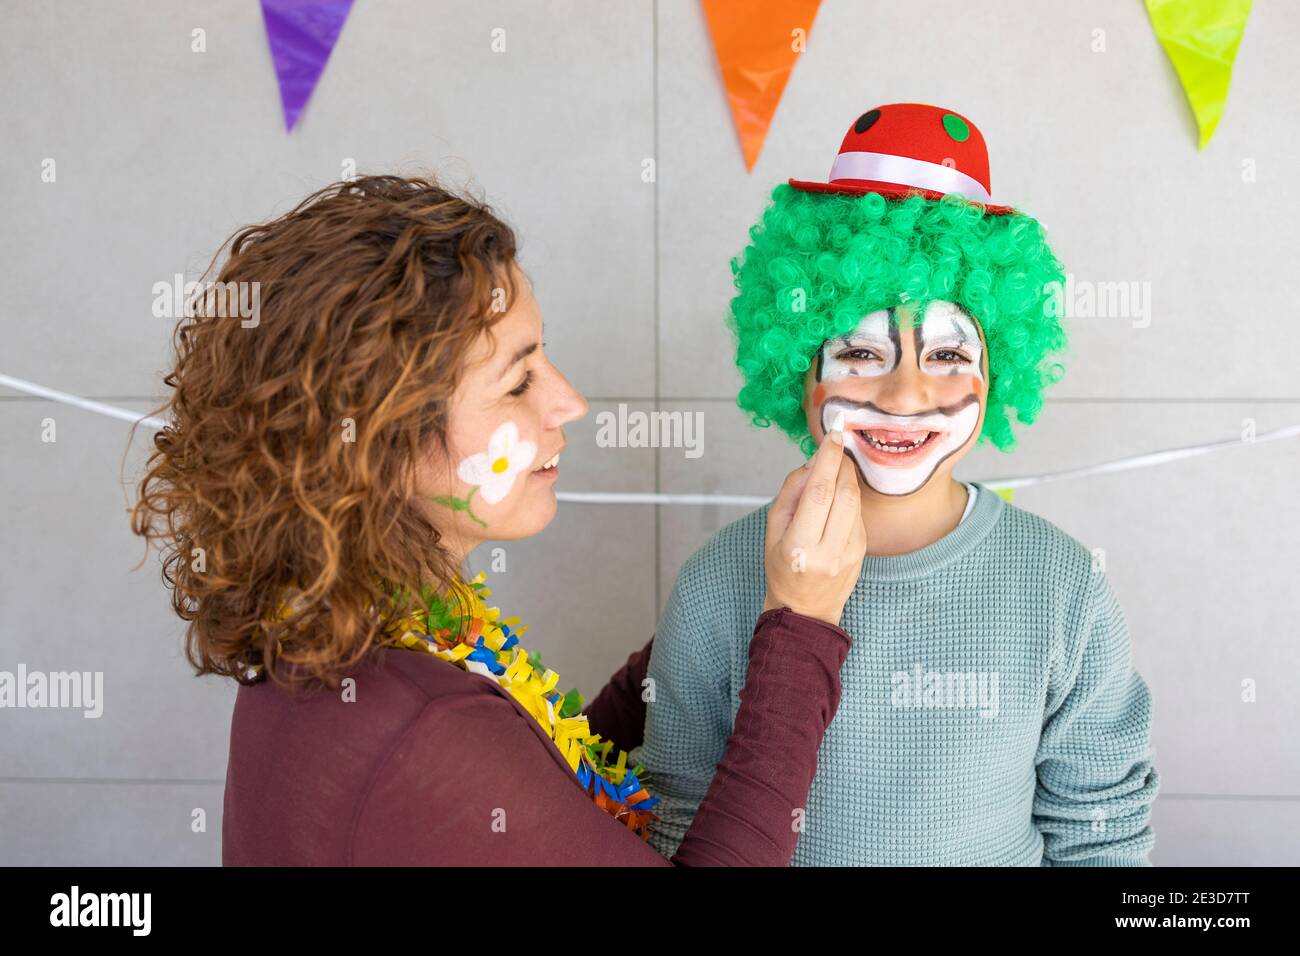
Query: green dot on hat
x,y
956,127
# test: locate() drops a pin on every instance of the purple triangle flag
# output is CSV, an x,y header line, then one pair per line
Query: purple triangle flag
x,y
302,33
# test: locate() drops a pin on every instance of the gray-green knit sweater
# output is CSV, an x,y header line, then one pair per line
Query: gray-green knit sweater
x,y
990,712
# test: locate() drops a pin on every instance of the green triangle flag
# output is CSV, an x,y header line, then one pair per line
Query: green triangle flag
x,y
1201,38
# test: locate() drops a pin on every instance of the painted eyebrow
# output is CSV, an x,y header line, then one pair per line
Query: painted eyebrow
x,y
855,337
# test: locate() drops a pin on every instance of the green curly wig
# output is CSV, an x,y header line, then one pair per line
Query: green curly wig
x,y
819,262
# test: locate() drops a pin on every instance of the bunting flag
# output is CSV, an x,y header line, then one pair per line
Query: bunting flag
x,y
1201,38
757,42
302,34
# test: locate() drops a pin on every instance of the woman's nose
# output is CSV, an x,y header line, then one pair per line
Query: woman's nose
x,y
567,403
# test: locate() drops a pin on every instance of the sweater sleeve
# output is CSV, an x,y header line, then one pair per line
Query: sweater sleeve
x,y
791,693
689,717
1096,778
618,711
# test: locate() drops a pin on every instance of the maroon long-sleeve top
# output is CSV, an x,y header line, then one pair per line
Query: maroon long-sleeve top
x,y
432,765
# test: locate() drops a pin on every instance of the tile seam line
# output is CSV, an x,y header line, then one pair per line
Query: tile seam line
x,y
654,145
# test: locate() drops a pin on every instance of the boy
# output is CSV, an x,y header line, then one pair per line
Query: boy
x,y
990,712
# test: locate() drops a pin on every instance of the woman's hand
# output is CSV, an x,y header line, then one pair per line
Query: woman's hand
x,y
815,536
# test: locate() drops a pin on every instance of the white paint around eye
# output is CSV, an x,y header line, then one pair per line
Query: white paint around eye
x,y
947,325
873,333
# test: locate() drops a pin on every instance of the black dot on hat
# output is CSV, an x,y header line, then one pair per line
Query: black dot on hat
x,y
866,121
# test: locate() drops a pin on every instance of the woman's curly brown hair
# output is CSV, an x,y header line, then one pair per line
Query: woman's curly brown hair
x,y
289,456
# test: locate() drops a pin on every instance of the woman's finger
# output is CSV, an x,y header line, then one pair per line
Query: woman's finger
x,y
787,499
809,522
845,513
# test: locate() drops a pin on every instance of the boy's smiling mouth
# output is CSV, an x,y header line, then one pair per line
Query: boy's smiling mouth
x,y
898,454
895,446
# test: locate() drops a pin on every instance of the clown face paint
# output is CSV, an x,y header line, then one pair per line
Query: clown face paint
x,y
898,453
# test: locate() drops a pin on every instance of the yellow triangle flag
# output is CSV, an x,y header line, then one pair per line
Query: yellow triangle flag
x,y
1201,38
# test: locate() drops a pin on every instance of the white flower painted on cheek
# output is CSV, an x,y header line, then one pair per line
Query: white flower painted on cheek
x,y
494,472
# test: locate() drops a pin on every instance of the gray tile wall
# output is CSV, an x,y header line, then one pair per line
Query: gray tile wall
x,y
162,152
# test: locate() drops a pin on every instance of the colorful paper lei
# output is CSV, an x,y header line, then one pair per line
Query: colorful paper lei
x,y
463,630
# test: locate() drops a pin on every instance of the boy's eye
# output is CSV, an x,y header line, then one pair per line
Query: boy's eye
x,y
523,386
952,355
856,355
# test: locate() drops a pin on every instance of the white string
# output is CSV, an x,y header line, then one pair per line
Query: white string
x,y
112,411
739,501
1142,461
656,498
993,484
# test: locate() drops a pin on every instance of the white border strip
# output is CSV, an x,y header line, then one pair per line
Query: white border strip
x,y
735,501
905,171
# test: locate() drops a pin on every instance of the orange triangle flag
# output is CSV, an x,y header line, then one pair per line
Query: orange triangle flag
x,y
757,42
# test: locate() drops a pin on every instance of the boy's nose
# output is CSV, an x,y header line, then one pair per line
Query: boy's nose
x,y
906,390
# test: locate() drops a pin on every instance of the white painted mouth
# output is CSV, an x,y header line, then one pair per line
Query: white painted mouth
x,y
935,434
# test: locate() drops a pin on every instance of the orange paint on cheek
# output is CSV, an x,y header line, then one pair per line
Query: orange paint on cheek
x,y
818,396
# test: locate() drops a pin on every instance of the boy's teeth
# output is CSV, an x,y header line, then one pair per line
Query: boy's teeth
x,y
552,462
894,442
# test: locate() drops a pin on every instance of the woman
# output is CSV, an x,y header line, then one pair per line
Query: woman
x,y
327,469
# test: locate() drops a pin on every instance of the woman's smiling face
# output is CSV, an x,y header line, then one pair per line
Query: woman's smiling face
x,y
912,392
496,477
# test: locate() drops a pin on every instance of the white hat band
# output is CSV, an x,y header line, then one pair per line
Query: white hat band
x,y
905,171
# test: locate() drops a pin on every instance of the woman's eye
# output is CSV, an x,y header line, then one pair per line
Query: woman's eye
x,y
523,386
856,355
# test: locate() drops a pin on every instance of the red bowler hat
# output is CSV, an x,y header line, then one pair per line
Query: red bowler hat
x,y
909,148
